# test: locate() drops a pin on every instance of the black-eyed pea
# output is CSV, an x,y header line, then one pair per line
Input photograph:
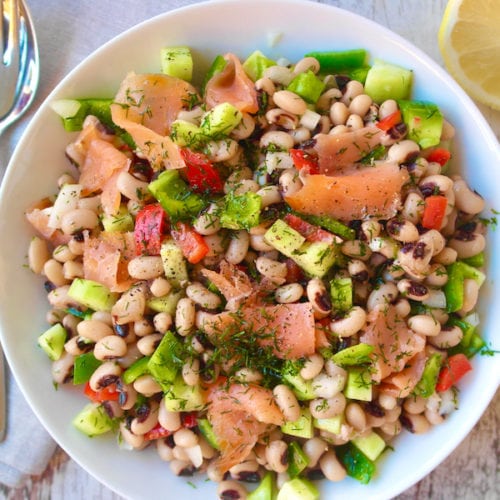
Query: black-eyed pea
x,y
438,276
414,405
338,129
131,187
185,438
354,122
402,307
319,297
248,375
385,294
146,419
237,247
245,128
133,440
207,451
413,207
313,121
259,244
73,269
59,298
53,270
449,336
326,386
339,113
63,254
112,409
110,347
231,489
402,230
290,101
106,374
170,420
165,451
38,254
314,448
162,322
385,247
290,182
413,290
466,200
287,402
148,344
334,370
416,424
392,428
300,135
424,324
436,299
247,471
76,346
386,401
146,267
350,324
467,245
54,316
130,306
183,468
62,368
160,286
471,295
202,296
277,455
94,330
434,239
289,293
127,397
356,249
355,416
352,89
386,108
360,105
331,467
278,138
147,385
358,270
312,366
403,151
185,315
78,219
191,372
272,269
327,408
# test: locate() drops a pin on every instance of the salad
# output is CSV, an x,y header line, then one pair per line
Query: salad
x,y
267,276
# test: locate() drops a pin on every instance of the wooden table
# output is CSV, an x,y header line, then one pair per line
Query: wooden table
x,y
471,472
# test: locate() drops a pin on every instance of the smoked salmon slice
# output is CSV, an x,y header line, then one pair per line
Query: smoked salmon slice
x,y
145,106
288,329
232,85
239,415
373,191
106,257
393,341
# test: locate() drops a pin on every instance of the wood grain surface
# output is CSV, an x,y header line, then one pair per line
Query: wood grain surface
x,y
471,471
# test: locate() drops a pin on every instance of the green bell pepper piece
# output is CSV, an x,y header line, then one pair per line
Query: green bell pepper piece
x,y
241,211
339,61
166,361
477,260
331,224
174,195
85,365
354,355
136,369
256,63
423,120
217,66
427,383
454,287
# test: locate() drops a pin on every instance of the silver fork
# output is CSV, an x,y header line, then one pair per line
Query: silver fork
x,y
19,73
19,62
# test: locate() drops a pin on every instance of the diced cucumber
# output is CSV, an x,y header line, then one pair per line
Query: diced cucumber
x,y
74,111
316,258
92,294
298,489
185,133
166,303
183,397
297,459
217,66
121,222
372,445
85,365
241,211
388,81
427,383
332,424
284,238
265,490
178,62
208,432
220,120
52,341
302,388
255,65
136,369
93,420
424,122
308,86
358,385
354,355
166,361
356,463
174,263
302,427
341,293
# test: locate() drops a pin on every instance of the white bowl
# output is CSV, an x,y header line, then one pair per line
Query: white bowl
x,y
279,28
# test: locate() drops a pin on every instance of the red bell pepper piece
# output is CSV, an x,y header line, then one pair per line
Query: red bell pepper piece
x,y
157,432
389,121
303,159
150,226
109,393
455,368
201,175
434,211
192,244
439,155
189,420
310,232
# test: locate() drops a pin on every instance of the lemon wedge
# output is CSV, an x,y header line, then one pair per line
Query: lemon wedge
x,y
469,41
